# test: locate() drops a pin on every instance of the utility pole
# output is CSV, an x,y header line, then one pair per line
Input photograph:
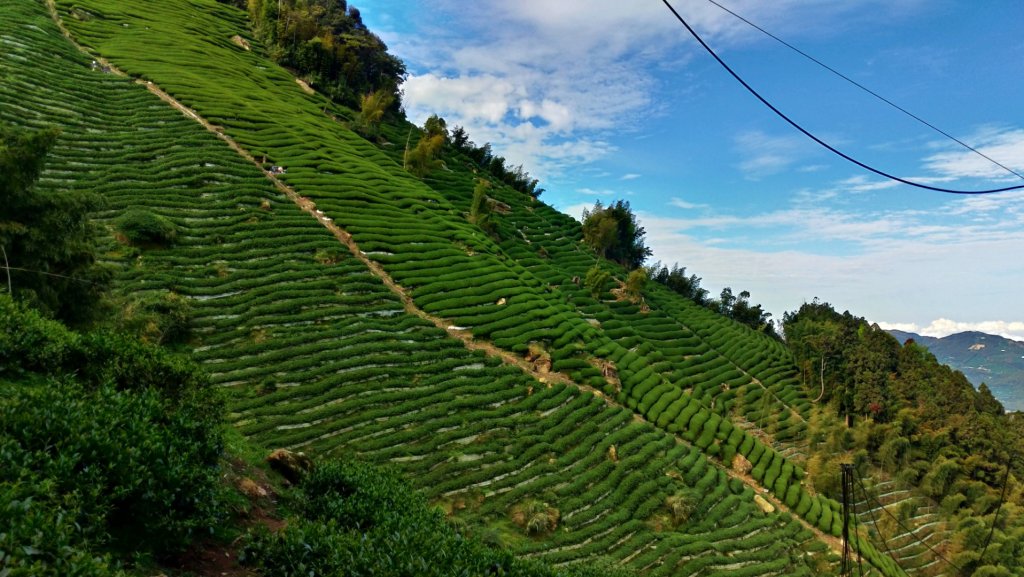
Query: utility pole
x,y
848,496
845,467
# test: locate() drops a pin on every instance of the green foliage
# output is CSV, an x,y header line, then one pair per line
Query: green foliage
x,y
143,227
915,418
739,309
481,210
360,520
422,159
436,126
516,177
676,279
104,443
47,239
327,42
157,317
894,454
535,517
613,233
600,230
986,402
372,107
596,280
22,156
357,374
635,283
42,537
681,506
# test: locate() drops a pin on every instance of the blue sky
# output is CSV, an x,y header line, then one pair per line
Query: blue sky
x,y
605,100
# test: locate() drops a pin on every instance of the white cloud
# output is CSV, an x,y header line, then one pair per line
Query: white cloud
x,y
812,168
894,280
765,154
1013,330
816,222
545,81
685,205
1000,204
630,176
576,210
602,192
1004,145
905,327
909,264
862,183
485,98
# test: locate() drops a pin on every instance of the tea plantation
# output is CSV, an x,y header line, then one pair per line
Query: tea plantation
x,y
645,406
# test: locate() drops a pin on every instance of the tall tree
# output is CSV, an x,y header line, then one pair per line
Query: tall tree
x,y
613,232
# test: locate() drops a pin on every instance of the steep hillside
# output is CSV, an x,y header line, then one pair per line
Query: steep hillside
x,y
347,307
982,358
318,353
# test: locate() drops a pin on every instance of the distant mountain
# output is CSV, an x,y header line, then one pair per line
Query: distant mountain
x,y
983,358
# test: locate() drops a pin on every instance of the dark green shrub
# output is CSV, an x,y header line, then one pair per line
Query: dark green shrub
x,y
41,534
110,442
144,227
360,520
132,471
158,317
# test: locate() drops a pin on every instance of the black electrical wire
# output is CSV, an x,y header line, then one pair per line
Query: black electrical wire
x,y
821,142
885,542
77,279
869,91
907,529
1002,499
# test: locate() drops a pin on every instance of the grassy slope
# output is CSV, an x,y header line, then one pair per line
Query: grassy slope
x,y
355,373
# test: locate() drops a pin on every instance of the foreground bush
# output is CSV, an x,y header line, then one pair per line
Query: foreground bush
x,y
360,520
106,444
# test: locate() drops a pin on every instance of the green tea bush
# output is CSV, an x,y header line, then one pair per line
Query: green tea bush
x,y
144,227
111,443
360,520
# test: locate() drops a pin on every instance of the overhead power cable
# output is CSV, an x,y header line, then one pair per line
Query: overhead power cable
x,y
869,91
871,515
808,134
902,526
55,275
1002,499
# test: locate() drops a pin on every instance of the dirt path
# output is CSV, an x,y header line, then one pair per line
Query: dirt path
x,y
345,238
834,543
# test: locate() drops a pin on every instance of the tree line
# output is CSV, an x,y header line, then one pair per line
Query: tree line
x,y
735,306
894,406
435,139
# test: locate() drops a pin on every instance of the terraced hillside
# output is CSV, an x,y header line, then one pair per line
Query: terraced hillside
x,y
317,352
729,369
908,522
